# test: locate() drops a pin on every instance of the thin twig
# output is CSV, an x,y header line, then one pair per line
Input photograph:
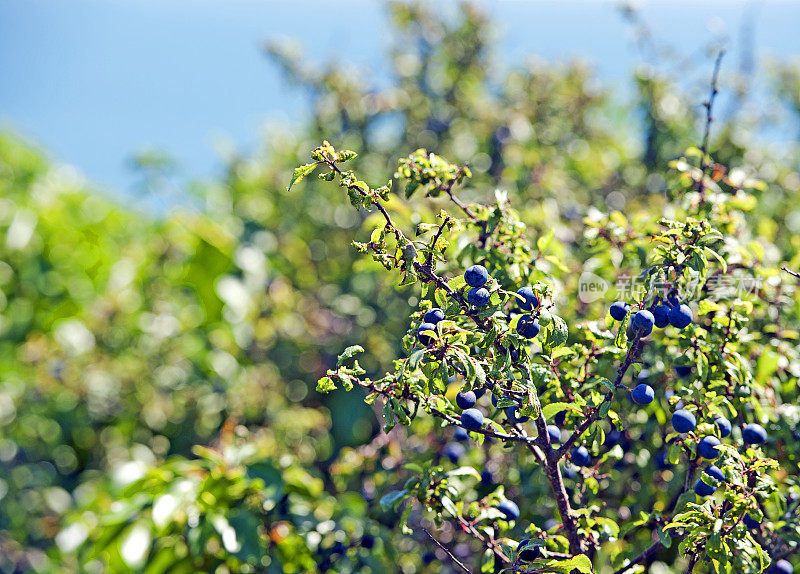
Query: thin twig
x,y
485,432
450,554
429,260
790,272
708,105
488,542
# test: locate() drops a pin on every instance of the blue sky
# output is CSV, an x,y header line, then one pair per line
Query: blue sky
x,y
92,82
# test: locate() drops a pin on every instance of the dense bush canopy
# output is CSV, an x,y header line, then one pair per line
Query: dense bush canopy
x,y
171,398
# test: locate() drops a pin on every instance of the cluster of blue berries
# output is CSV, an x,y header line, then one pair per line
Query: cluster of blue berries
x,y
527,325
672,312
684,421
476,277
429,322
679,315
471,419
660,314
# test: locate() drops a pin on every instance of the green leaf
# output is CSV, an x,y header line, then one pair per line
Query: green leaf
x,y
580,562
559,334
346,155
449,506
702,366
388,417
325,385
664,538
480,374
377,236
400,412
718,257
348,353
409,278
544,240
390,499
620,339
551,409
465,471
300,172
674,453
404,519
440,382
411,187
416,357
606,383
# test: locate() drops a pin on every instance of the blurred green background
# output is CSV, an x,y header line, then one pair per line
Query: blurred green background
x,y
129,335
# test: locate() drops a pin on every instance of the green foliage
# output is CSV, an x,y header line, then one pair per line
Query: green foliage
x,y
480,348
127,340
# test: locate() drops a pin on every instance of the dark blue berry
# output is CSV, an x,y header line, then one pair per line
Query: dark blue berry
x,y
466,400
750,522
754,434
683,421
580,456
434,316
454,451
528,554
661,316
715,472
509,509
662,462
643,322
476,276
618,310
478,296
528,327
707,447
425,338
643,394
724,426
703,489
472,419
513,415
612,437
680,316
527,299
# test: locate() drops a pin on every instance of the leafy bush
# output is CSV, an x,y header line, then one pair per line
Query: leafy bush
x,y
620,459
128,339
